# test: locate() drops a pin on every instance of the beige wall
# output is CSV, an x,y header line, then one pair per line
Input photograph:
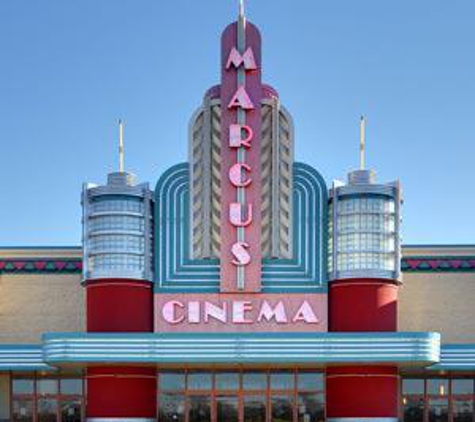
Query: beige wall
x,y
4,397
32,304
442,302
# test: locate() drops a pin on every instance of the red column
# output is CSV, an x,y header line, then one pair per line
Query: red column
x,y
127,392
362,391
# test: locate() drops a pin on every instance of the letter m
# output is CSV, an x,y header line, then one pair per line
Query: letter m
x,y
236,59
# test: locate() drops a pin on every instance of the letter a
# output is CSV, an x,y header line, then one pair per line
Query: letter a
x,y
236,59
305,314
241,99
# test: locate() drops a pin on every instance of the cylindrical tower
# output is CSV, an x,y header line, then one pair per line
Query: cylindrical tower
x,y
117,247
364,265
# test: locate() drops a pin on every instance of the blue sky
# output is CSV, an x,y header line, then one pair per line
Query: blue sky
x,y
70,69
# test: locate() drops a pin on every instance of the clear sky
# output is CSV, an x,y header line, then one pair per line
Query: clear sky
x,y
70,69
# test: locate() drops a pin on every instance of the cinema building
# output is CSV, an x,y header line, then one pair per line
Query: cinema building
x,y
240,288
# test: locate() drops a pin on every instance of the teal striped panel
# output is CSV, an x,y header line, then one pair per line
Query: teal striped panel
x,y
176,271
410,349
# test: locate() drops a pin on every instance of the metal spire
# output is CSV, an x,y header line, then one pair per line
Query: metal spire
x,y
121,147
242,13
362,142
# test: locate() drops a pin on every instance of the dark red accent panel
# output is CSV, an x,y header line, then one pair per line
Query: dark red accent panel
x,y
363,305
363,391
121,392
119,305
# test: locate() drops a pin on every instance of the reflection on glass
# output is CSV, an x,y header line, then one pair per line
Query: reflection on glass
x,y
282,380
227,381
438,410
47,410
462,410
71,386
22,410
254,408
310,407
46,386
438,387
310,381
227,409
254,381
462,386
171,408
413,409
71,410
172,381
199,409
281,408
200,381
22,386
413,386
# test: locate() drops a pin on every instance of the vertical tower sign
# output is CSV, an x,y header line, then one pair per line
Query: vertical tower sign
x,y
241,93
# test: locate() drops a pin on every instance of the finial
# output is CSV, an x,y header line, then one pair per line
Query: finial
x,y
362,142
241,9
242,13
121,146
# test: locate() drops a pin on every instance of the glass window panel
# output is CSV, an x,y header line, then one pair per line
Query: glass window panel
x,y
312,381
282,380
462,386
227,380
254,381
282,409
227,409
438,410
311,407
413,409
171,408
438,387
23,386
171,381
22,410
71,386
462,410
413,386
199,408
254,408
200,381
47,386
71,410
47,410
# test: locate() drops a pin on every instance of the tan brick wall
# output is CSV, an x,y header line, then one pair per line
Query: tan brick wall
x,y
32,304
442,302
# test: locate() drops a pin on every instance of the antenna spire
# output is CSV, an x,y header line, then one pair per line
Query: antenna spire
x,y
362,142
121,146
242,13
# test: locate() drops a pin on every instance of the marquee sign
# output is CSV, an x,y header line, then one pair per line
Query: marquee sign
x,y
223,197
240,312
241,93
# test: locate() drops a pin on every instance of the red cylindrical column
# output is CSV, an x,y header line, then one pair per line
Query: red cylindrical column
x,y
363,305
125,392
362,392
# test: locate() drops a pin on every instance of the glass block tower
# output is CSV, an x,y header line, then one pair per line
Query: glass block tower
x,y
118,277
364,279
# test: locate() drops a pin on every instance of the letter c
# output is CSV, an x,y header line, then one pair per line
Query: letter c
x,y
169,312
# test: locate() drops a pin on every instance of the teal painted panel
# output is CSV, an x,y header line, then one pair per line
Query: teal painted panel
x,y
409,349
22,358
176,271
456,357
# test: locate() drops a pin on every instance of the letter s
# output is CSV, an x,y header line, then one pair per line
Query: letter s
x,y
241,254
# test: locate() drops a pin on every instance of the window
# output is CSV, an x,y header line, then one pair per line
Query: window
x,y
247,396
49,399
438,400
